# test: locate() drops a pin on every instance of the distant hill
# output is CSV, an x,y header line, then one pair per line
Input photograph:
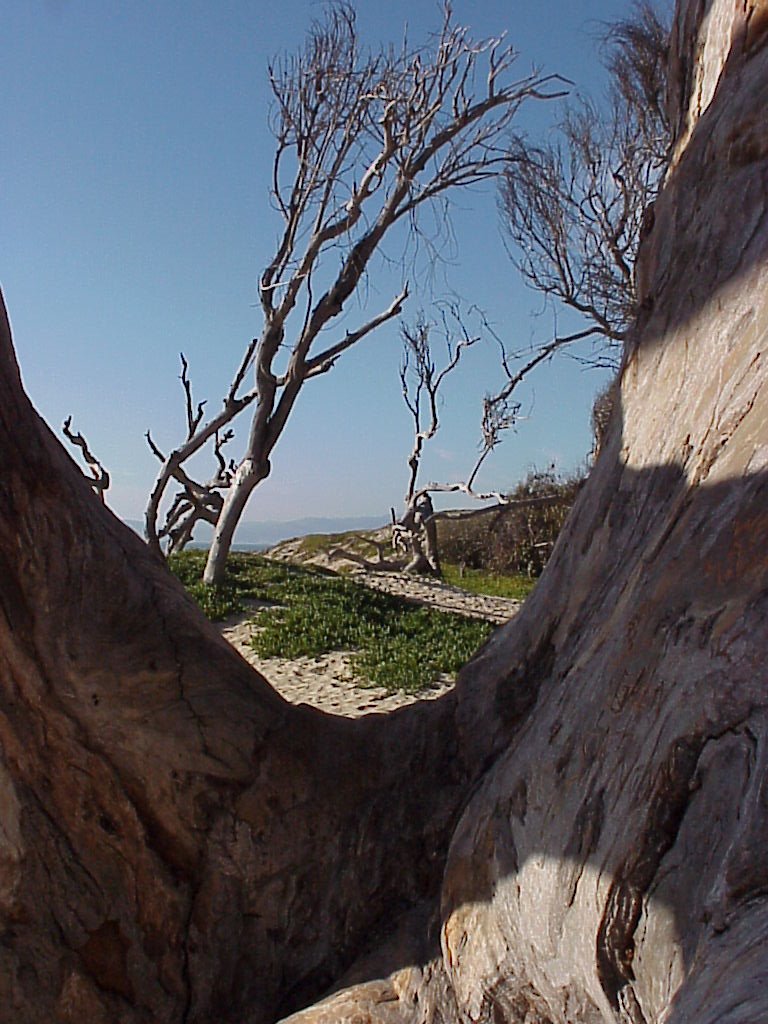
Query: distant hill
x,y
256,536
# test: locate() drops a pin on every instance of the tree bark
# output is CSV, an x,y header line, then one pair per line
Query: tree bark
x,y
177,843
610,864
417,533
246,479
578,835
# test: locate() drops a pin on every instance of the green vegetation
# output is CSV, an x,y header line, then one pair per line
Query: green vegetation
x,y
216,602
479,581
396,644
322,543
418,645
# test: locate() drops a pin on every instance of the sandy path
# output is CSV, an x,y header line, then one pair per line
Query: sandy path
x,y
326,681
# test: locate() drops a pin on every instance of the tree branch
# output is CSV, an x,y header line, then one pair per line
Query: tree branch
x,y
99,479
324,361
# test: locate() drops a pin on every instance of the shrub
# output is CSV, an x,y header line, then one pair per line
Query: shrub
x,y
513,539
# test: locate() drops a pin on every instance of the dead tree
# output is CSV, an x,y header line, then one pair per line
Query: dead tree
x,y
576,835
414,532
576,211
364,141
636,55
576,208
195,501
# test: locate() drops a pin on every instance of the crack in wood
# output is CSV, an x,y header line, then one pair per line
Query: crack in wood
x,y
615,947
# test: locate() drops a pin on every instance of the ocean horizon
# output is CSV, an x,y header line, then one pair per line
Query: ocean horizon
x,y
259,536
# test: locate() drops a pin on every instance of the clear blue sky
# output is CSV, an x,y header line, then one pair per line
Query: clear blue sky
x,y
135,221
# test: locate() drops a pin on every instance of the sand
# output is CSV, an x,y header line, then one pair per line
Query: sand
x,y
326,681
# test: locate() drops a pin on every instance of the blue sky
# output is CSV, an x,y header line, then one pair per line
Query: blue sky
x,y
135,221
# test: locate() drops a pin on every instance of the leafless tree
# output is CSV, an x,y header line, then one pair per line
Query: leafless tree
x,y
415,531
576,208
364,142
194,501
500,412
635,53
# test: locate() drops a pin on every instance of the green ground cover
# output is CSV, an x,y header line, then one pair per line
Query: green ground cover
x,y
395,643
480,581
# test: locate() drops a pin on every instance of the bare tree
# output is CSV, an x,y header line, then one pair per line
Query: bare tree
x,y
364,141
195,501
635,53
576,208
500,412
415,532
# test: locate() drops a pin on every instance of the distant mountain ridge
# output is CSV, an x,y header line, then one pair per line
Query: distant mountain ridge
x,y
260,535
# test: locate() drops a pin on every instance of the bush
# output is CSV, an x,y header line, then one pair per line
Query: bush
x,y
513,539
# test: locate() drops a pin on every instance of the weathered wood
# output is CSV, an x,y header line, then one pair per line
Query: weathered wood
x,y
611,862
176,842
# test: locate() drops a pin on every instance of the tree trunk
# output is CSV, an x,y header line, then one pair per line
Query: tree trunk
x,y
610,864
578,835
177,844
419,531
249,475
431,548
